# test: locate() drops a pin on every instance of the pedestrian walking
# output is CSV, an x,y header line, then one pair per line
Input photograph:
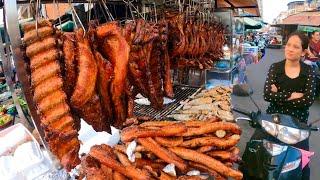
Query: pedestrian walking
x,y
313,53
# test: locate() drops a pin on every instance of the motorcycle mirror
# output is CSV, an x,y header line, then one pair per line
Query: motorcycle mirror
x,y
241,90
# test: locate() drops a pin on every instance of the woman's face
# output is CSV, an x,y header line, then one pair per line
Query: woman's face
x,y
293,50
316,36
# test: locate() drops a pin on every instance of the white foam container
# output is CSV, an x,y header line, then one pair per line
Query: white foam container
x,y
20,155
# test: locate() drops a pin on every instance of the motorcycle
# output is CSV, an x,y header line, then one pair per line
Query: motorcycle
x,y
270,153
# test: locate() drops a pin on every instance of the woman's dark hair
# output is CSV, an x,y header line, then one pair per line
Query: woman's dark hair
x,y
313,32
304,39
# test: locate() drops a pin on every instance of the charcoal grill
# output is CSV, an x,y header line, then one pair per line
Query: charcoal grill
x,y
181,93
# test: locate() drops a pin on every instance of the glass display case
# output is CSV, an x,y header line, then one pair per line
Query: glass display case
x,y
224,68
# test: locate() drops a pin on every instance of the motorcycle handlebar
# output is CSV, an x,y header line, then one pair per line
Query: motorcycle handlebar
x,y
242,111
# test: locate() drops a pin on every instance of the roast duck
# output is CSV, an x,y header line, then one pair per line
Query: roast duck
x,y
194,44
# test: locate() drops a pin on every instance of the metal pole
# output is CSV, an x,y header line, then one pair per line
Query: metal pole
x,y
11,20
13,30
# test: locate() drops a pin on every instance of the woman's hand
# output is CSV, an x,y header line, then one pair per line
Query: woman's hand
x,y
274,88
295,95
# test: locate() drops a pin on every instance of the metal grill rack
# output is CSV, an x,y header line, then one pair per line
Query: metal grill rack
x,y
181,93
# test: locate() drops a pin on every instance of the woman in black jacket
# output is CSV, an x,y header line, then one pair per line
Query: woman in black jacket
x,y
290,85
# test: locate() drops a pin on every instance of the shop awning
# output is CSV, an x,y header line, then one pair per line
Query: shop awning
x,y
251,22
308,28
250,7
309,18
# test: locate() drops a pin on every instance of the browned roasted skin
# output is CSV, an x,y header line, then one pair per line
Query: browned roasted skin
x,y
130,100
87,68
137,75
55,113
65,145
153,94
31,26
105,73
66,123
70,64
197,41
44,73
118,176
215,141
203,168
137,62
44,58
169,142
105,156
92,169
33,35
162,153
140,163
177,36
167,82
58,125
190,35
207,161
224,155
46,87
122,158
155,70
144,61
165,176
117,50
130,133
212,127
40,46
204,149
92,113
185,177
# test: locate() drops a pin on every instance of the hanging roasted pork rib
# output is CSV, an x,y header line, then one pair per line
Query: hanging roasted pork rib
x,y
48,94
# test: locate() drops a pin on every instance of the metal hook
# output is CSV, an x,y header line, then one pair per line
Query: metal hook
x,y
102,11
89,10
155,12
36,16
76,17
129,3
57,6
107,10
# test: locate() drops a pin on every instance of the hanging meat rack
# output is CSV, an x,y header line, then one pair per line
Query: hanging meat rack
x,y
183,80
189,79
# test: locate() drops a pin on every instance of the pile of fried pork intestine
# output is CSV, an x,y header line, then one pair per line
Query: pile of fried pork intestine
x,y
196,147
215,102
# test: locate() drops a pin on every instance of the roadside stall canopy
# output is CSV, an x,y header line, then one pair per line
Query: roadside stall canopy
x,y
250,23
250,7
308,28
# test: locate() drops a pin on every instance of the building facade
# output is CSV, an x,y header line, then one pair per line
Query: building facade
x,y
296,7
